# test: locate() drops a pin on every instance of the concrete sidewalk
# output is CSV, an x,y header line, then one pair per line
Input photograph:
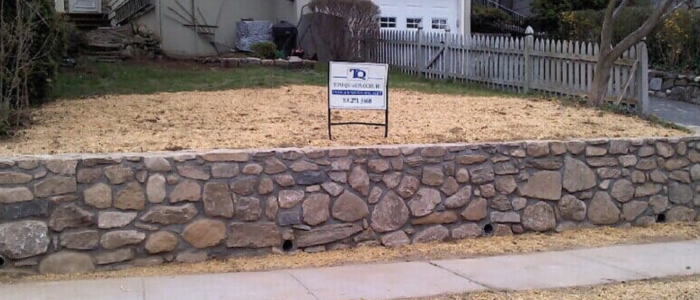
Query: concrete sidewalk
x,y
392,281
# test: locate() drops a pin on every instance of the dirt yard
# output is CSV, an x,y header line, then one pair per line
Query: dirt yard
x,y
296,116
526,243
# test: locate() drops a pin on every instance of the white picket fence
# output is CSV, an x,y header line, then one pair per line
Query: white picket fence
x,y
518,64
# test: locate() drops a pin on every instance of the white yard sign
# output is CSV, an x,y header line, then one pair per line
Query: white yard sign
x,y
357,86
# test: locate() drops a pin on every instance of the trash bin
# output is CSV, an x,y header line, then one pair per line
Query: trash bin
x,y
284,35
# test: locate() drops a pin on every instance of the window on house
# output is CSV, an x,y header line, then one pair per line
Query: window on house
x,y
387,22
413,23
439,23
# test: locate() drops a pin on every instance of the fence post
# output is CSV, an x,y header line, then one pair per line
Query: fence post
x,y
420,64
643,76
529,42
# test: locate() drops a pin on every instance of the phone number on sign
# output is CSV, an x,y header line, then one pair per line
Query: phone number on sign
x,y
357,101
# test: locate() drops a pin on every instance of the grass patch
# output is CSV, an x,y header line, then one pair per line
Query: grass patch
x,y
98,79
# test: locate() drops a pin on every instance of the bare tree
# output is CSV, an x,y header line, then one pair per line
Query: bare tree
x,y
609,53
362,17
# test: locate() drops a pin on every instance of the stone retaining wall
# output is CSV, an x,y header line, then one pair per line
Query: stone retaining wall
x,y
80,213
684,88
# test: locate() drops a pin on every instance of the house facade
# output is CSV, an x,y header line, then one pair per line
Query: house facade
x,y
433,15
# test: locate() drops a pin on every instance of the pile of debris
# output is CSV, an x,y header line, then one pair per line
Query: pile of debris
x,y
125,42
233,62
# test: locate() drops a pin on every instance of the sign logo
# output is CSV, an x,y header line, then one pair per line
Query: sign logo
x,y
357,74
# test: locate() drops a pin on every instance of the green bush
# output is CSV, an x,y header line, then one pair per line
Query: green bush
x,y
265,50
487,19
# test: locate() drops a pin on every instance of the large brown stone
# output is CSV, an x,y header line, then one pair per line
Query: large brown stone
x,y
130,197
459,199
80,240
161,242
66,262
15,195
193,172
623,190
392,180
57,185
390,214
226,157
224,170
119,174
676,163
465,231
155,188
695,172
602,210
204,233
537,149
658,203
577,176
483,174
444,217
680,214
349,208
70,215
470,159
648,189
14,178
476,211
506,184
680,193
395,239
62,166
408,186
168,215
23,239
274,166
424,202
217,200
571,208
633,209
98,196
504,217
378,165
290,198
186,190
157,164
326,234
254,235
359,180
539,217
437,233
245,186
114,219
302,166
664,150
116,239
266,186
248,209
646,164
433,176
316,209
121,255
332,188
544,185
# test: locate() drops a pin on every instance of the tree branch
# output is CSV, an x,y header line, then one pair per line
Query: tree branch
x,y
642,31
619,9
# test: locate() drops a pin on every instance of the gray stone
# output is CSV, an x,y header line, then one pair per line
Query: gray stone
x,y
253,169
285,180
157,164
638,177
609,173
571,208
389,214
395,239
290,198
424,202
192,257
224,170
623,190
116,239
483,174
539,217
311,178
462,176
39,208
476,211
471,159
186,190
450,187
645,221
326,234
408,186
217,200
658,176
15,195
359,180
168,215
303,165
80,240
130,197
602,211
114,219
66,262
646,151
57,185
287,218
466,231
226,157
437,233
647,164
505,217
664,150
575,147
70,215
460,199
245,186
204,233
106,258
655,84
161,242
506,184
676,163
342,164
349,208
274,166
628,160
681,176
272,207
444,217
258,235
596,151
501,203
332,188
619,147
544,185
392,180
375,195
316,209
155,188
537,149
602,161
695,172
378,165
119,174
28,164
648,189
248,209
193,172
98,196
61,166
577,176
680,214
14,178
680,193
658,203
633,209
23,239
518,203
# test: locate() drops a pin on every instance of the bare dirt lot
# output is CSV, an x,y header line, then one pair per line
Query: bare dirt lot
x,y
296,116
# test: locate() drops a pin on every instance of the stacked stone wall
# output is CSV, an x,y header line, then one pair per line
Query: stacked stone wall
x,y
62,214
681,87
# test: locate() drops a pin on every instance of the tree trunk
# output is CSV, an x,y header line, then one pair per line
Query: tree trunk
x,y
599,86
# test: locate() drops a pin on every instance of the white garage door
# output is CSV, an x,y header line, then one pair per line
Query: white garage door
x,y
435,15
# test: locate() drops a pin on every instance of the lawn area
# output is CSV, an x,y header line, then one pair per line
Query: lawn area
x,y
171,106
